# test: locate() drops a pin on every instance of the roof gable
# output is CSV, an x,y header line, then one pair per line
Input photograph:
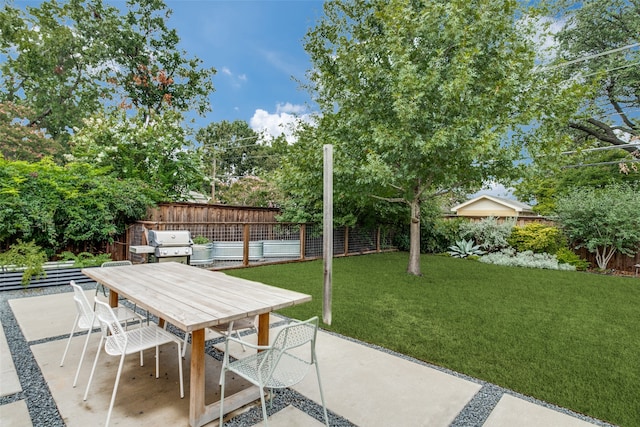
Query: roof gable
x,y
494,200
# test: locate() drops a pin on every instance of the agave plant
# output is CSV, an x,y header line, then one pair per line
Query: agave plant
x,y
464,248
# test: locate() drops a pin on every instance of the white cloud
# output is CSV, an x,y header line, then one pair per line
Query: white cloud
x,y
495,189
284,121
290,108
236,80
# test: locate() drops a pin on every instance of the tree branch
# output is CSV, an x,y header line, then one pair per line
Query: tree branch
x,y
603,132
617,107
391,199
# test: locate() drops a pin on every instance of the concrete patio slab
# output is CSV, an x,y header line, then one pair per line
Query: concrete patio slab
x,y
15,414
512,411
373,388
142,400
9,381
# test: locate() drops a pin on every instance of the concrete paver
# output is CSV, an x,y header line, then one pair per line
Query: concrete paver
x,y
15,414
373,388
511,411
9,381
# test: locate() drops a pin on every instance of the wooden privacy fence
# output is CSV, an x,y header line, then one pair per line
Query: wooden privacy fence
x,y
210,213
620,262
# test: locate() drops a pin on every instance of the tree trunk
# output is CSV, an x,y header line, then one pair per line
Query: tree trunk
x,y
414,236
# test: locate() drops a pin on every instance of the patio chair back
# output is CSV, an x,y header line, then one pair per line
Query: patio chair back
x,y
112,330
277,365
116,263
281,368
85,313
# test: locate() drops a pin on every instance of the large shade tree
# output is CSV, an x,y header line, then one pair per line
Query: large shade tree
x,y
68,60
417,97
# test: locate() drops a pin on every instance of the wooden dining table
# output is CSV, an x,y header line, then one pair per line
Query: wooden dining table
x,y
194,299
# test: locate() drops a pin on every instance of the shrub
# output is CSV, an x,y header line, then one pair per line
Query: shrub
x,y
200,240
438,234
488,233
27,256
509,257
465,248
85,259
537,238
567,256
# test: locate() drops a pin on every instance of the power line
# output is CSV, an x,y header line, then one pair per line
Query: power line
x,y
585,58
601,163
612,147
611,69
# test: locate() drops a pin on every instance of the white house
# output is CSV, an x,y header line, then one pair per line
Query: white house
x,y
485,205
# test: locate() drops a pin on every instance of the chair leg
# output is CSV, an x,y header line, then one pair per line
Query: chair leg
x,y
115,390
157,361
180,370
324,405
240,338
93,369
222,375
184,344
73,330
84,351
264,407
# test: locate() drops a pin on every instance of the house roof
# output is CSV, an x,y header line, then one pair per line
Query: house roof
x,y
512,204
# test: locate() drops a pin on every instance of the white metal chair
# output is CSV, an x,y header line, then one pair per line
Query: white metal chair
x,y
110,264
227,329
117,264
119,342
85,320
276,366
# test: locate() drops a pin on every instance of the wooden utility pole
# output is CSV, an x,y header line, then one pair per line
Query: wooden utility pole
x,y
327,233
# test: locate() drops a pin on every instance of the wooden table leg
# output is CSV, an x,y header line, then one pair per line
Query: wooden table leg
x,y
196,394
113,298
263,329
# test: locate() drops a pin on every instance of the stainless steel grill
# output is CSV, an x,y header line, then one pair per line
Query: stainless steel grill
x,y
173,245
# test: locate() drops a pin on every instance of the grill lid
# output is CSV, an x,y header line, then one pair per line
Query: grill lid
x,y
169,238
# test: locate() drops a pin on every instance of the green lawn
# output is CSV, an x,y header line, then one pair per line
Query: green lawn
x,y
569,338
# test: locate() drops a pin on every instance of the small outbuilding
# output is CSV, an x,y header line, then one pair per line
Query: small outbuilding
x,y
485,206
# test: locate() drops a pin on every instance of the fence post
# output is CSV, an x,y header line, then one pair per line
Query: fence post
x,y
378,240
245,244
303,240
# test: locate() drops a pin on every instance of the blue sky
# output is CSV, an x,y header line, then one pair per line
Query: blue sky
x,y
256,47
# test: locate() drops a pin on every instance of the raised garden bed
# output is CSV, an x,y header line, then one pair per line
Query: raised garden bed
x,y
57,273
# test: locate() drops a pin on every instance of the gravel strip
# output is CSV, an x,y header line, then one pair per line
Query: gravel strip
x,y
44,412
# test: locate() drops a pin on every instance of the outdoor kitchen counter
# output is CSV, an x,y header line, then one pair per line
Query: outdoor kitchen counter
x,y
193,299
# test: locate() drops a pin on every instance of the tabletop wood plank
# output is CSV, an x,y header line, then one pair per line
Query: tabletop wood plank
x,y
193,298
